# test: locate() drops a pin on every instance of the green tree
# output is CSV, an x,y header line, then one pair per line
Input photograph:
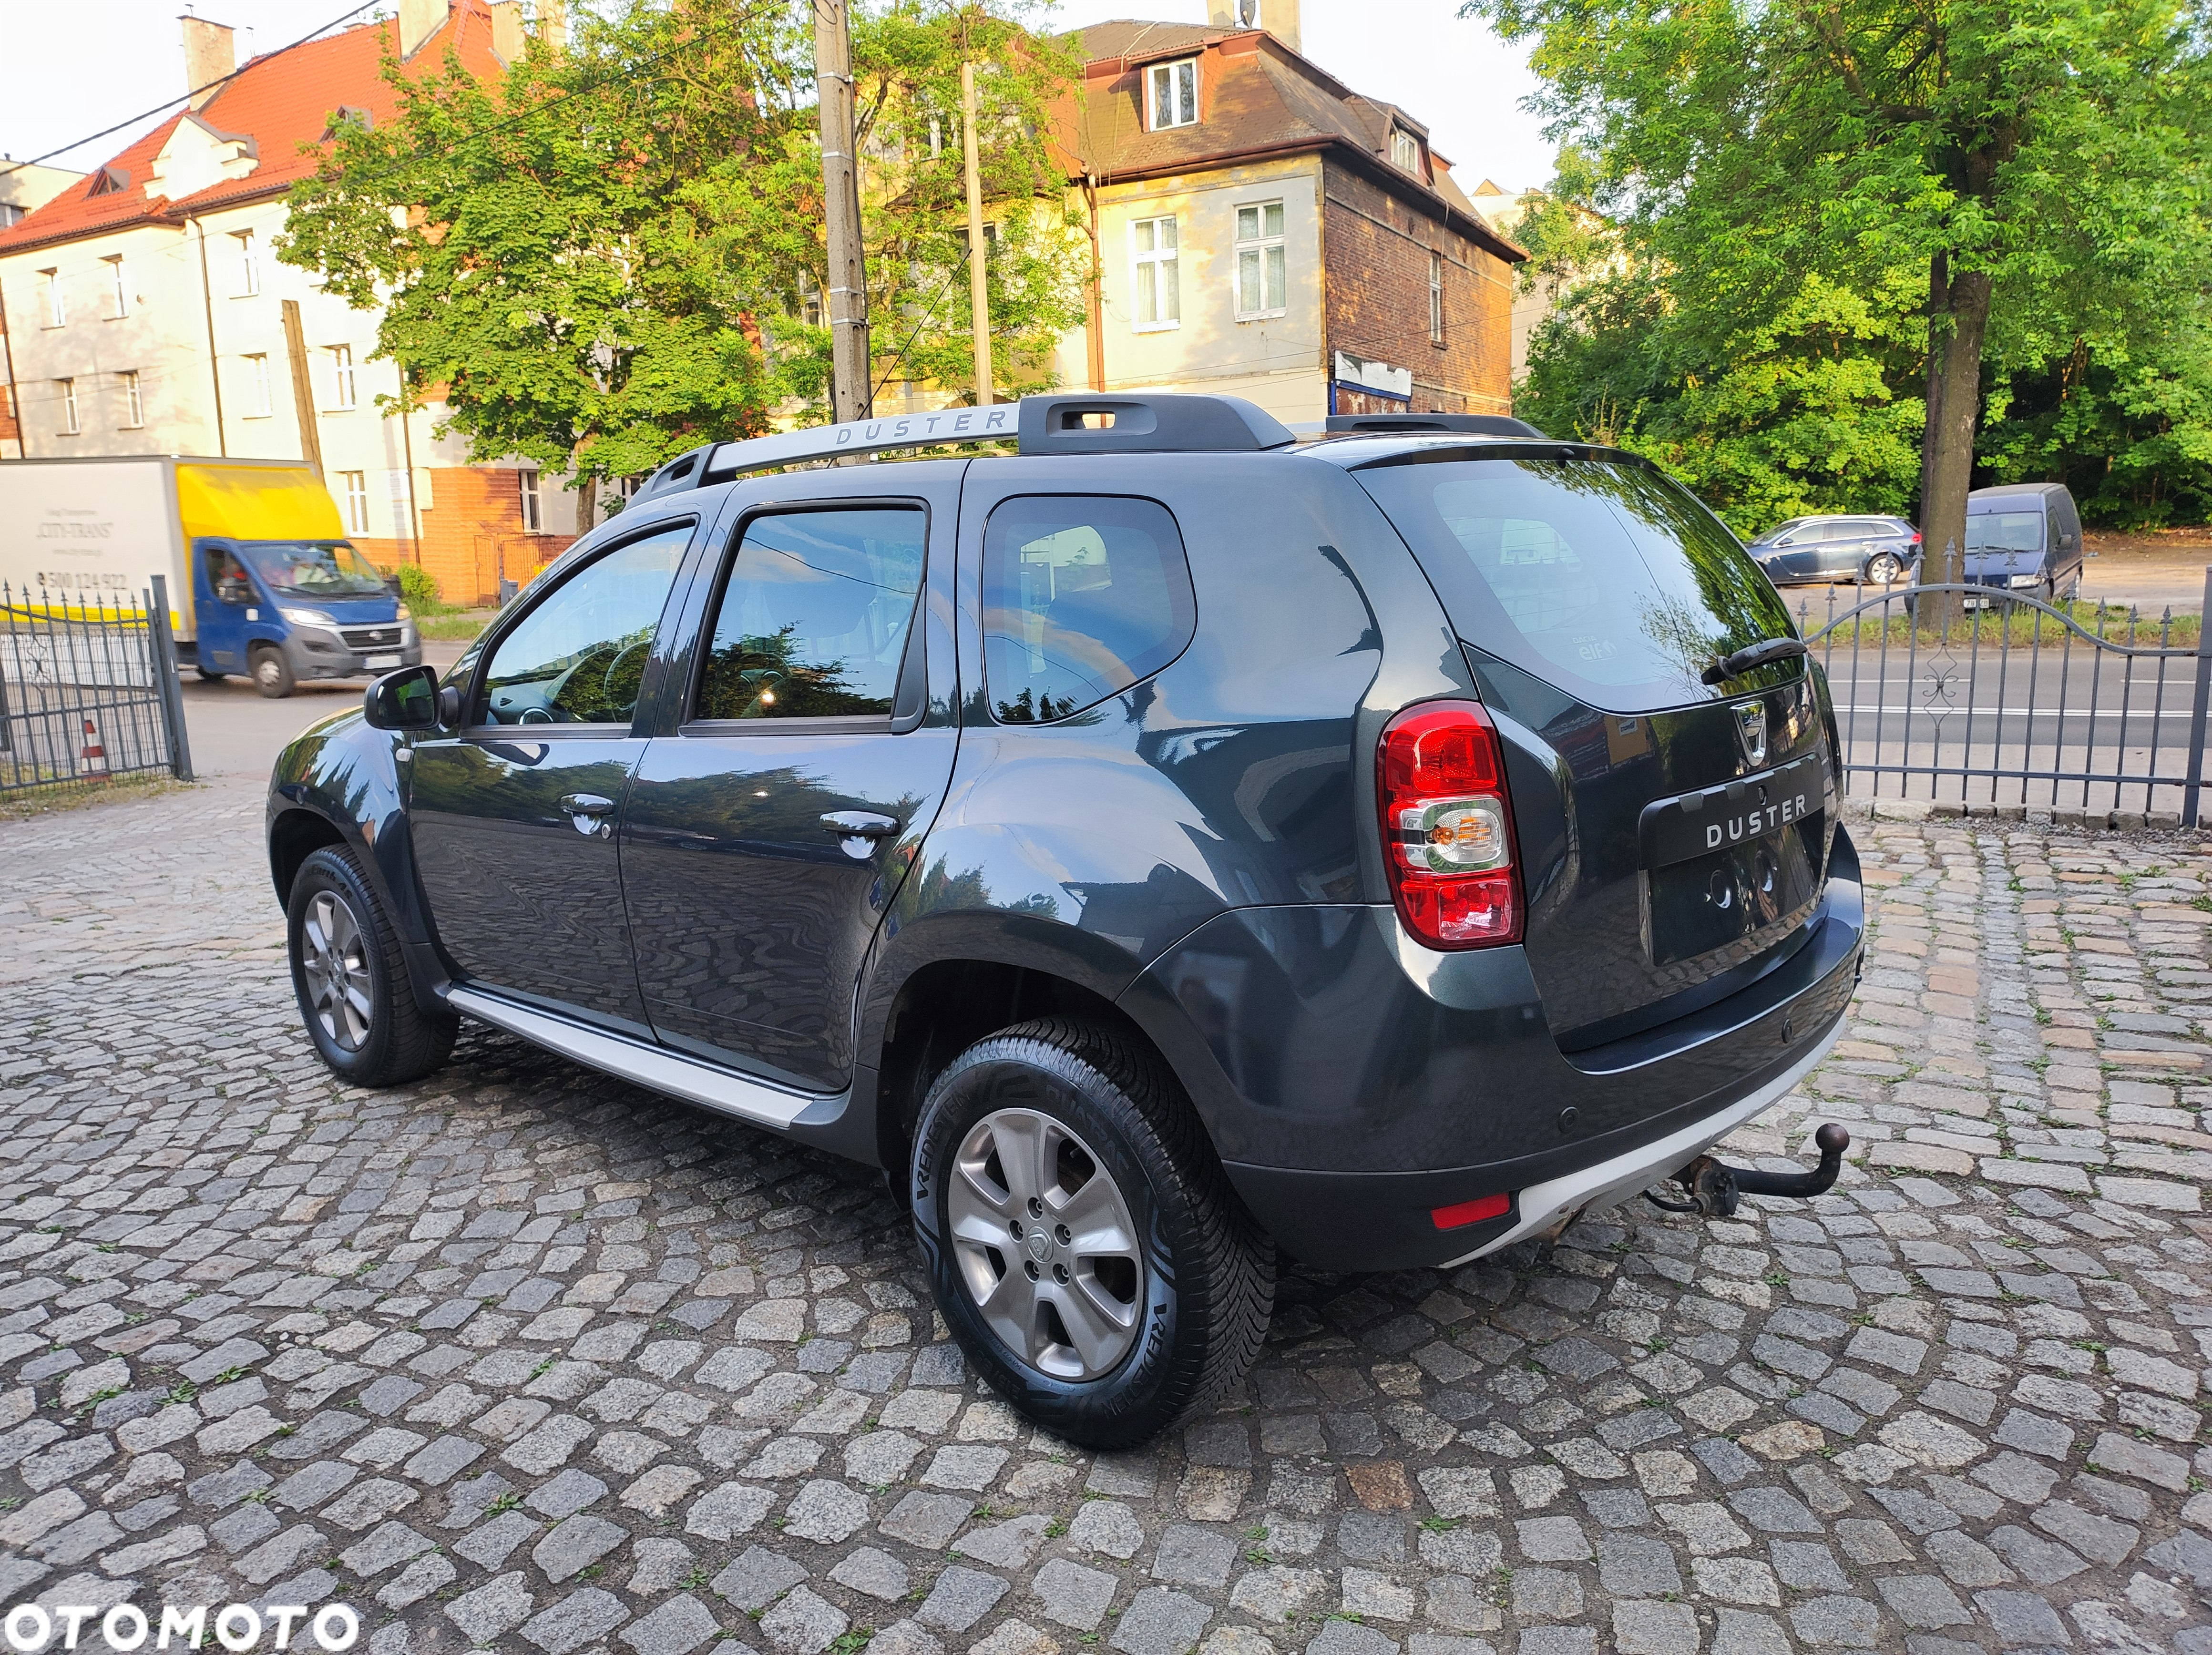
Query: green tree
x,y
610,253
2032,174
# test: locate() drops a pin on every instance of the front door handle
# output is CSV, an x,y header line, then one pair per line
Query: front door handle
x,y
858,831
585,811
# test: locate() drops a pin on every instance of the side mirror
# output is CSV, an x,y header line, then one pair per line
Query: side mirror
x,y
408,698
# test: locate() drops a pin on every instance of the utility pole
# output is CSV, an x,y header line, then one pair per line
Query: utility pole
x,y
841,190
979,295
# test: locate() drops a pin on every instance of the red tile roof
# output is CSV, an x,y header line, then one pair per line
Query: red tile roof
x,y
279,101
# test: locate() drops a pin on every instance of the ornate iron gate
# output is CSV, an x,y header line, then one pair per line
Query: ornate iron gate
x,y
2016,702
88,689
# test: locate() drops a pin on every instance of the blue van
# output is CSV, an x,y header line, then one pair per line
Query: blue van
x,y
2023,536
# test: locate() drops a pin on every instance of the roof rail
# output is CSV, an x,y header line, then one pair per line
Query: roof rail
x,y
1384,425
1061,423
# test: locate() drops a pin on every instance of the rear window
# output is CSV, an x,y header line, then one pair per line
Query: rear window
x,y
1603,579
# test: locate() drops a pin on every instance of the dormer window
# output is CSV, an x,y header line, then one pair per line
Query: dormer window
x,y
108,180
1171,92
350,115
1404,151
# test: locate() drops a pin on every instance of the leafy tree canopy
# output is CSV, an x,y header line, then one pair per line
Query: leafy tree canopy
x,y
1835,215
616,251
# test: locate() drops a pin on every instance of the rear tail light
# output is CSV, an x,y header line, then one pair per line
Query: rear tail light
x,y
1448,828
1916,536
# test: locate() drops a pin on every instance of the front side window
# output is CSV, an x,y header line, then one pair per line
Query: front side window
x,y
1159,301
1172,90
225,575
1263,286
341,390
578,657
814,617
1083,596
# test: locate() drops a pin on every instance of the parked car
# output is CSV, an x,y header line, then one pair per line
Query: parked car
x,y
1166,845
2024,536
1875,551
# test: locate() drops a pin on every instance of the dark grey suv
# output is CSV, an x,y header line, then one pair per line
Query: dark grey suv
x,y
1170,843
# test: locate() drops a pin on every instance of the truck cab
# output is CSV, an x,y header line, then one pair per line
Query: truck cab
x,y
283,610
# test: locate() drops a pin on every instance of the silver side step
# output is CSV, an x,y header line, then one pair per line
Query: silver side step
x,y
653,1066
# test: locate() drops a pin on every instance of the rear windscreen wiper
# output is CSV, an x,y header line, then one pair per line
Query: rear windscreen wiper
x,y
1751,655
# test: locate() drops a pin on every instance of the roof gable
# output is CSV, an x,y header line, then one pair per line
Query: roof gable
x,y
260,133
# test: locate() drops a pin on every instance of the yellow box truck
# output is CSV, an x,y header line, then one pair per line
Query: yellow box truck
x,y
262,580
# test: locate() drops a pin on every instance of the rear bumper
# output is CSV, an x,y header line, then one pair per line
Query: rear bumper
x,y
1378,1095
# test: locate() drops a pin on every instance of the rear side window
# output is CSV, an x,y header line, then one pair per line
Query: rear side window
x,y
1083,596
1603,579
814,618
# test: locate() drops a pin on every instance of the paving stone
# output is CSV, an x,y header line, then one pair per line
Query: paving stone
x,y
575,1544
675,1627
1159,1621
757,1579
574,1621
961,1597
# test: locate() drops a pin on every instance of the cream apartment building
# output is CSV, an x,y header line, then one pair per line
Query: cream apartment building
x,y
147,313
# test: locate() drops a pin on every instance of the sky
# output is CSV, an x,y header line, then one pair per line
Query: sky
x,y
77,66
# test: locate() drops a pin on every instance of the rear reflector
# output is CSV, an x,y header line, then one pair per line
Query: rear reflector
x,y
1471,1212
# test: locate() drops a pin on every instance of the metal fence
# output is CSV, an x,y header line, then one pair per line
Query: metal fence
x,y
1988,697
88,690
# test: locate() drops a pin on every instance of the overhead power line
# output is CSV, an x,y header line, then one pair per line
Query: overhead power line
x,y
18,166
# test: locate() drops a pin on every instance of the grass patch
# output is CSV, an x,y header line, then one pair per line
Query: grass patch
x,y
460,626
28,804
2012,625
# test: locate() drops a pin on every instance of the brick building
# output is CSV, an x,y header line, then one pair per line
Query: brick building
x,y
146,311
1262,229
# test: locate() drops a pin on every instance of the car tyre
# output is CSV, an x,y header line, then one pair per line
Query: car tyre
x,y
209,675
272,673
1884,569
1155,1306
350,978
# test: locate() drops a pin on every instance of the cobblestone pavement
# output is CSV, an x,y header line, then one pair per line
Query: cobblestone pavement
x,y
525,1358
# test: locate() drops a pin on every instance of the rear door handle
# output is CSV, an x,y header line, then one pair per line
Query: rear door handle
x,y
586,810
858,824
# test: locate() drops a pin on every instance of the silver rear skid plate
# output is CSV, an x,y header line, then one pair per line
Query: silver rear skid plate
x,y
722,1090
1629,1173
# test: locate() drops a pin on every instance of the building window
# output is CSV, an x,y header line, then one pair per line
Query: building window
x,y
1262,288
342,376
1436,298
355,484
10,215
249,265
1159,304
533,514
67,390
134,405
115,281
1172,91
1404,151
55,306
256,401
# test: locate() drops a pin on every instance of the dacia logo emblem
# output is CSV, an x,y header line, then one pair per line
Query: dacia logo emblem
x,y
1751,727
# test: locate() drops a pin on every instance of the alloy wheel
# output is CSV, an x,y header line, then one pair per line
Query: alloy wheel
x,y
334,960
1046,1245
1884,569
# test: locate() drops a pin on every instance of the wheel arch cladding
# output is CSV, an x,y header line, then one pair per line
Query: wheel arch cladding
x,y
945,1005
293,836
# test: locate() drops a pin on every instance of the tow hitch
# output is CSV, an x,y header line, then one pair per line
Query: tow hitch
x,y
1715,1187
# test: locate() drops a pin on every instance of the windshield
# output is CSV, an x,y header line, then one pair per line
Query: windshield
x,y
2005,531
1603,579
316,568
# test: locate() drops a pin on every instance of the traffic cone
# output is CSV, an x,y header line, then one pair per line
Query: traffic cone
x,y
93,760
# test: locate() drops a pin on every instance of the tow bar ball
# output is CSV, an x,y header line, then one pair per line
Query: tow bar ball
x,y
1716,1188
